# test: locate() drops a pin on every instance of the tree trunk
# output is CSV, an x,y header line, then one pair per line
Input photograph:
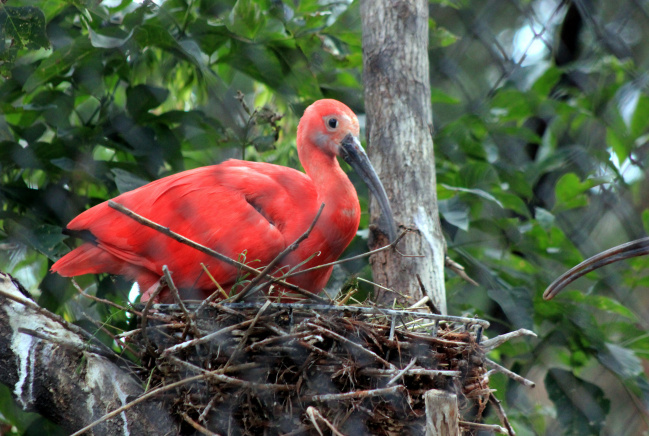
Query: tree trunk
x,y
50,369
400,145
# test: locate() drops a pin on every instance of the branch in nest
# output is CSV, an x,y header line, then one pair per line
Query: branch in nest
x,y
354,395
206,338
197,426
498,407
179,301
353,344
491,428
375,372
492,343
510,374
314,413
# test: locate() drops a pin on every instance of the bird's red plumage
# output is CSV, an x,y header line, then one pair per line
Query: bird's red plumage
x,y
235,207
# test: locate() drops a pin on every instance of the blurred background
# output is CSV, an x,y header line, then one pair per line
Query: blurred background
x,y
541,116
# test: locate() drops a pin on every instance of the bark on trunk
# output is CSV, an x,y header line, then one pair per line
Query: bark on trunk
x,y
400,145
442,415
50,370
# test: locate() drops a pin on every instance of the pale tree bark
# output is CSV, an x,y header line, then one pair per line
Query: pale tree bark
x,y
400,145
54,369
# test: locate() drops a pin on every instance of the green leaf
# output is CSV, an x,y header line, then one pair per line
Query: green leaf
x,y
478,192
571,193
581,406
640,119
127,181
59,63
247,18
621,361
439,96
512,202
547,81
46,239
516,303
20,27
105,40
455,212
479,175
621,146
441,37
645,220
140,99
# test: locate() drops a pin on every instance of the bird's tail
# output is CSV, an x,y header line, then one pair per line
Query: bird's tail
x,y
86,259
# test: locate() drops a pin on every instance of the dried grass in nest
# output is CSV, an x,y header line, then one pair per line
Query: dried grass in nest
x,y
299,369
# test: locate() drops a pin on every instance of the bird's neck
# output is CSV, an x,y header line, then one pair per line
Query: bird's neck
x,y
334,188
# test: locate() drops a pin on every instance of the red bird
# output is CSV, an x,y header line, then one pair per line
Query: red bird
x,y
236,207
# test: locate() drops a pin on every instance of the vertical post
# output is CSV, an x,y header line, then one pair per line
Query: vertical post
x,y
400,144
442,416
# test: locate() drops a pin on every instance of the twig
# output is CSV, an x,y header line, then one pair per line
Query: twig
x,y
103,301
353,344
501,414
401,294
115,337
402,372
484,427
206,338
195,245
145,318
510,374
244,292
375,372
219,290
419,304
272,339
354,395
207,409
492,343
348,259
350,309
197,426
429,302
174,291
459,270
246,335
150,394
314,413
218,375
305,344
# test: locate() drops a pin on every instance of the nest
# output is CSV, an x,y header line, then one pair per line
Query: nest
x,y
301,369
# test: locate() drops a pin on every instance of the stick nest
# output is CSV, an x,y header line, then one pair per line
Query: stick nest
x,y
298,369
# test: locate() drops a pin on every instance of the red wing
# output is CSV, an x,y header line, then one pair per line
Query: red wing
x,y
233,208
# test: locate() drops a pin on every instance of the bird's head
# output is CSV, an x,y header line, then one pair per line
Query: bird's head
x,y
332,127
325,124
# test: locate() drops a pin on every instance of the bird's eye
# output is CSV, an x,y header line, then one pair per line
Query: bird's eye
x,y
332,123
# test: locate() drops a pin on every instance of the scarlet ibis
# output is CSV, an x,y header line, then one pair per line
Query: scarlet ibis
x,y
244,210
635,248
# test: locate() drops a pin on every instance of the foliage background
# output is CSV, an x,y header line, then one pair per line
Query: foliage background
x,y
541,116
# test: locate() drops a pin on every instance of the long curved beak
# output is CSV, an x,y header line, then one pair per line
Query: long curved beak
x,y
635,248
355,156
